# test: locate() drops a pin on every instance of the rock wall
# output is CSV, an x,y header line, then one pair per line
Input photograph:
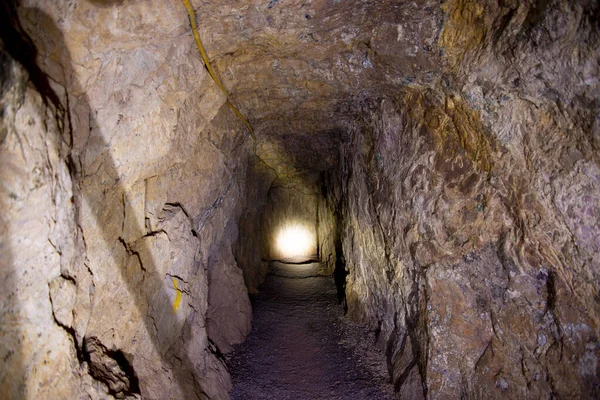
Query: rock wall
x,y
123,181
39,239
327,231
471,208
248,251
462,263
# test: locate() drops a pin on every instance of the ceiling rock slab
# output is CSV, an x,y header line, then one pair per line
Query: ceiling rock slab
x,y
298,67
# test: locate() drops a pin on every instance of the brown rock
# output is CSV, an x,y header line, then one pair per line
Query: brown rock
x,y
444,156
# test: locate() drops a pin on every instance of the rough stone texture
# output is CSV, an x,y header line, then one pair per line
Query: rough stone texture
x,y
259,178
327,233
457,145
122,209
296,66
471,214
229,310
37,343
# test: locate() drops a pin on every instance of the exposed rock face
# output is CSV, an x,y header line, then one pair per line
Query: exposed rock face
x,y
327,233
121,209
259,178
471,216
37,352
450,150
467,270
314,59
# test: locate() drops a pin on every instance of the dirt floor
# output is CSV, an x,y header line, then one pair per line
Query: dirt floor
x,y
302,347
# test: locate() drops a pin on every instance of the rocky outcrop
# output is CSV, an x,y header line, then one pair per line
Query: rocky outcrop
x,y
470,211
121,208
467,269
327,232
259,177
39,239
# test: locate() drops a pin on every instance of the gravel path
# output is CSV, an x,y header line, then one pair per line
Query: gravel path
x,y
301,346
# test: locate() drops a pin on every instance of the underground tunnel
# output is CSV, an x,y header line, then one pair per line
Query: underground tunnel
x,y
318,199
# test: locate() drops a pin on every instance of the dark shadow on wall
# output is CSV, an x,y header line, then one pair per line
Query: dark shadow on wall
x,y
20,46
258,180
15,47
339,274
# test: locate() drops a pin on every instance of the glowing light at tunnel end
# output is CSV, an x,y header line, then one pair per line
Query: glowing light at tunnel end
x,y
295,241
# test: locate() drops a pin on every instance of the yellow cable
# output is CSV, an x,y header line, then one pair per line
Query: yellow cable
x,y
210,69
177,301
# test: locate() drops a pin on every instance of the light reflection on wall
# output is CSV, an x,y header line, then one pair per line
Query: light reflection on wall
x,y
295,241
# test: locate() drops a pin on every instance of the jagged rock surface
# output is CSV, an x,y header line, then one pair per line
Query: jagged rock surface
x,y
457,145
121,209
480,267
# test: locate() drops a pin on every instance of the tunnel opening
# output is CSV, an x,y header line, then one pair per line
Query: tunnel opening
x,y
298,227
381,161
295,244
296,224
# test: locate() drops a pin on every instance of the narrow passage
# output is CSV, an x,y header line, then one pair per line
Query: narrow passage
x,y
302,347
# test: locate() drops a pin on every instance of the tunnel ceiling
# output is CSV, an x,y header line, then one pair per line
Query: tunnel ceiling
x,y
297,69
